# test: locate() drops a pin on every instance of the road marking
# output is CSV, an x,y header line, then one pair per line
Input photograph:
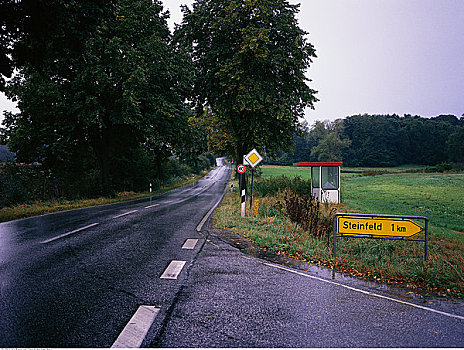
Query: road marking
x,y
129,212
69,233
202,222
151,206
135,331
366,292
190,244
173,270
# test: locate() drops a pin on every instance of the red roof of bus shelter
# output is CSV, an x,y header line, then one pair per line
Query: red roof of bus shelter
x,y
318,164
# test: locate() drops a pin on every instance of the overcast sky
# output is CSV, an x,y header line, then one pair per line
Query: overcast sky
x,y
379,56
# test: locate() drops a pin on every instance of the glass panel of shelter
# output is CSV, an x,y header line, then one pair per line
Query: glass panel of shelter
x,y
315,171
329,178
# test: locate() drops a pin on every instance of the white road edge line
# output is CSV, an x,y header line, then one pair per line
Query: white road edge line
x,y
151,206
129,212
366,292
202,222
173,270
190,243
135,331
69,233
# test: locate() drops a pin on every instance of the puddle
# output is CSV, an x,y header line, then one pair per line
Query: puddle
x,y
417,296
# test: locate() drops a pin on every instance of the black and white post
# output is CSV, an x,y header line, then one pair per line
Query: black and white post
x,y
241,170
243,200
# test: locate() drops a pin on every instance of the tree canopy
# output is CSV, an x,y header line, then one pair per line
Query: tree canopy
x,y
250,58
380,141
103,89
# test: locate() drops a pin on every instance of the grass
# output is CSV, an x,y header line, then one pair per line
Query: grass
x,y
437,196
272,171
47,207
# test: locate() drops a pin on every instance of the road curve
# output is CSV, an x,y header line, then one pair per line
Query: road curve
x,y
76,278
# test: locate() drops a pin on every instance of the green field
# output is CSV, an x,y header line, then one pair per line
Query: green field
x,y
270,171
437,196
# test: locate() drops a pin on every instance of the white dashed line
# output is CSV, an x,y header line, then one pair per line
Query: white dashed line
x,y
151,206
69,233
129,212
190,244
366,292
135,331
173,270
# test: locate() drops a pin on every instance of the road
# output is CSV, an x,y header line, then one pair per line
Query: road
x,y
75,279
235,300
150,273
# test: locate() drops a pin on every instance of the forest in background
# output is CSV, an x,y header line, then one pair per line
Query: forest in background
x,y
379,141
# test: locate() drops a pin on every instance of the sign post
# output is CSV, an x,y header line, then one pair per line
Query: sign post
x,y
253,158
394,227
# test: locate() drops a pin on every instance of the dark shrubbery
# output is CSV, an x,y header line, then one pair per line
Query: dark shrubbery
x,y
272,186
299,206
24,184
309,213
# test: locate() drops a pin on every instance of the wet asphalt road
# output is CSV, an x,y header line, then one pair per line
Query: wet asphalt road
x,y
82,288
235,300
75,279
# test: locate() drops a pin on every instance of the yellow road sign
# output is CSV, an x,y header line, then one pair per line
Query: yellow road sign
x,y
253,158
376,226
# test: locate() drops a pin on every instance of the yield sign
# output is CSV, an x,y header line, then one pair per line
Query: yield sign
x,y
253,158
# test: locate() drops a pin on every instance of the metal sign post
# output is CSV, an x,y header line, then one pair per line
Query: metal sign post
x,y
376,226
251,194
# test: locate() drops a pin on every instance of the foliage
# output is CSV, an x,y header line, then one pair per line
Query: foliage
x,y
101,90
307,212
272,186
455,145
380,141
330,146
250,57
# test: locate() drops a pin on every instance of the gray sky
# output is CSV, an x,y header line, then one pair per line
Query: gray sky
x,y
379,56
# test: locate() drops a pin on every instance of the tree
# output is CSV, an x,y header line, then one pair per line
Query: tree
x,y
250,58
455,145
107,93
331,145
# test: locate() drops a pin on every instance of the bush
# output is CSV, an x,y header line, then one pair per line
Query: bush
x,y
274,185
308,212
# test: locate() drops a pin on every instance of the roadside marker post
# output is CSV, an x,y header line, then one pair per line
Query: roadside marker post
x,y
241,170
378,226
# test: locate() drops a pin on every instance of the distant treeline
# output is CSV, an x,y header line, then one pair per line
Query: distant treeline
x,y
380,141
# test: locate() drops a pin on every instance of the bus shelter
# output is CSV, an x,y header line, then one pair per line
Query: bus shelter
x,y
325,180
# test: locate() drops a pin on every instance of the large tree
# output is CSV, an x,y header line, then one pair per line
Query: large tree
x,y
106,91
251,57
331,143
